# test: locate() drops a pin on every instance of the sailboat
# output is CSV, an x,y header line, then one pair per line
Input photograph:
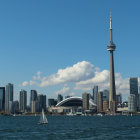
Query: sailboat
x,y
43,119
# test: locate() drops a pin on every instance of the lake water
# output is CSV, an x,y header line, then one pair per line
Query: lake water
x,y
70,128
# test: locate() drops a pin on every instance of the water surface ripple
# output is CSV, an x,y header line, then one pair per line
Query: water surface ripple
x,y
70,128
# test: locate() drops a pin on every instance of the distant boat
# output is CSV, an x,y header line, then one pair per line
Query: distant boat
x,y
99,114
43,119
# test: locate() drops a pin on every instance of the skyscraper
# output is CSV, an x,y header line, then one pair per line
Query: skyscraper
x,y
14,107
119,99
134,89
51,102
100,102
105,95
8,96
132,103
2,98
105,100
33,100
33,96
85,98
42,102
133,85
112,95
22,100
95,93
59,98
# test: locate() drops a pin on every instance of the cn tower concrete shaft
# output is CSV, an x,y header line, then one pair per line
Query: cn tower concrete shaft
x,y
112,94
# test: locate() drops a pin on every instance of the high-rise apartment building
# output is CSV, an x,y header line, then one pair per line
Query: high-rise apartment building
x,y
14,107
95,93
133,85
59,98
42,102
85,97
119,99
106,95
105,106
100,102
22,100
2,98
33,96
33,101
132,103
51,102
134,89
8,97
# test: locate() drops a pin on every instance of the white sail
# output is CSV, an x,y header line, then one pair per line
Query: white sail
x,y
43,118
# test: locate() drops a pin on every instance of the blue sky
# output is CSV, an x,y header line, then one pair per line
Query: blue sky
x,y
47,36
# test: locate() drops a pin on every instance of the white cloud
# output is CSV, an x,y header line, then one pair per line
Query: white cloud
x,y
32,83
25,83
78,72
38,76
64,90
101,79
84,75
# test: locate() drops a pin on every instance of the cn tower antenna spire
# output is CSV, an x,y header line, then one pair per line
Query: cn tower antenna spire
x,y
111,40
110,20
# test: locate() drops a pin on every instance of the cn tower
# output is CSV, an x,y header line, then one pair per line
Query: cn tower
x,y
112,93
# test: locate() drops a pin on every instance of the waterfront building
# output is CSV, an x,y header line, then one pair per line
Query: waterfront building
x,y
72,104
22,100
100,102
105,100
33,97
52,102
138,102
133,85
132,103
95,93
14,107
8,96
11,109
106,95
59,98
134,89
42,102
119,99
112,94
85,97
105,106
33,106
2,98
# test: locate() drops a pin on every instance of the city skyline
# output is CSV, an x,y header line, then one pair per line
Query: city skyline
x,y
61,47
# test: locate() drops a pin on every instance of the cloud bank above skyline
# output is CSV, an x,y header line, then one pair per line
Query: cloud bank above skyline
x,y
83,75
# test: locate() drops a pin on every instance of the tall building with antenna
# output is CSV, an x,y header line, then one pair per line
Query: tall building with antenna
x,y
112,94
